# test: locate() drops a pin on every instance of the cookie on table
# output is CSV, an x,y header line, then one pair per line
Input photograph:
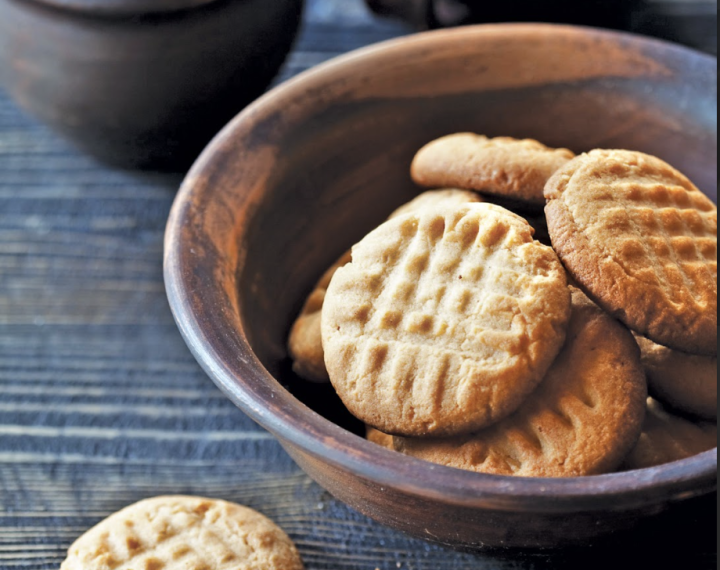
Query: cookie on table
x,y
582,420
641,240
667,437
305,344
444,321
503,166
181,533
684,381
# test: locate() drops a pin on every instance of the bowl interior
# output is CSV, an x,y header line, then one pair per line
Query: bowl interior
x,y
340,173
309,169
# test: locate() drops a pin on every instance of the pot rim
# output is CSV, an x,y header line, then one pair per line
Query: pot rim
x,y
123,8
256,392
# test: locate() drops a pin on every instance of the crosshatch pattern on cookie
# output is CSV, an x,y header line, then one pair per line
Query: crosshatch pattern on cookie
x,y
582,420
305,342
444,321
184,533
643,241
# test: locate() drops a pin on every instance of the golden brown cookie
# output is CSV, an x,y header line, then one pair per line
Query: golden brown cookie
x,y
181,533
641,239
444,321
582,420
684,381
666,438
501,166
305,344
379,438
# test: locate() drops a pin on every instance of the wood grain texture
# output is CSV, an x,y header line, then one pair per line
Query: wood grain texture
x,y
101,404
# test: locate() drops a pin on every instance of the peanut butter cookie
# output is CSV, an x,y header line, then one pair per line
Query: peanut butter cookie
x,y
305,343
582,420
179,533
641,240
502,166
444,321
684,381
666,438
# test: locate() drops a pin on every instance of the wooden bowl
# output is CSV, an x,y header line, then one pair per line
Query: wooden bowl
x,y
310,168
142,83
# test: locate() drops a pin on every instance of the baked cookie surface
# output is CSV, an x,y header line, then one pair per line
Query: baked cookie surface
x,y
582,420
305,342
444,321
684,381
641,240
667,437
501,166
181,533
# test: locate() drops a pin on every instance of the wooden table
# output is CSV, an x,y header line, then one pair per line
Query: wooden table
x,y
101,403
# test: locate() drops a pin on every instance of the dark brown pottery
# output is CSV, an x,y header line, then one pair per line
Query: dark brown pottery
x,y
142,83
311,167
445,13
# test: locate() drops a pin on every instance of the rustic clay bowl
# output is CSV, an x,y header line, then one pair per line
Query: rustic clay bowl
x,y
142,83
311,167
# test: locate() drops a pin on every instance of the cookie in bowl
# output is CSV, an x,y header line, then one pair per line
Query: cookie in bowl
x,y
583,419
444,321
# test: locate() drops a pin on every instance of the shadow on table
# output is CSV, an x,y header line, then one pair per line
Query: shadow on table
x,y
684,537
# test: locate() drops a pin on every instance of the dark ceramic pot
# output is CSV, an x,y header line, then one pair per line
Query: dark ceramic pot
x,y
311,167
142,83
444,13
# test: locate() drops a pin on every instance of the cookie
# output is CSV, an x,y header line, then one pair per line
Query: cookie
x,y
444,321
182,533
666,438
582,420
304,343
641,240
684,381
379,438
503,166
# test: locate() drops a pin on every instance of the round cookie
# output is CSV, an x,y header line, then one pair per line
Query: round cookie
x,y
179,533
444,321
666,438
684,381
305,343
582,420
503,166
641,240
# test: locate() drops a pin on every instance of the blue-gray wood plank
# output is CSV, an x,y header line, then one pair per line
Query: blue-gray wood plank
x,y
101,404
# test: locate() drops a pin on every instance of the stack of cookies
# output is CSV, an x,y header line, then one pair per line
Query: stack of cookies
x,y
459,339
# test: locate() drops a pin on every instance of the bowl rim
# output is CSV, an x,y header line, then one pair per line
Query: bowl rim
x,y
294,423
